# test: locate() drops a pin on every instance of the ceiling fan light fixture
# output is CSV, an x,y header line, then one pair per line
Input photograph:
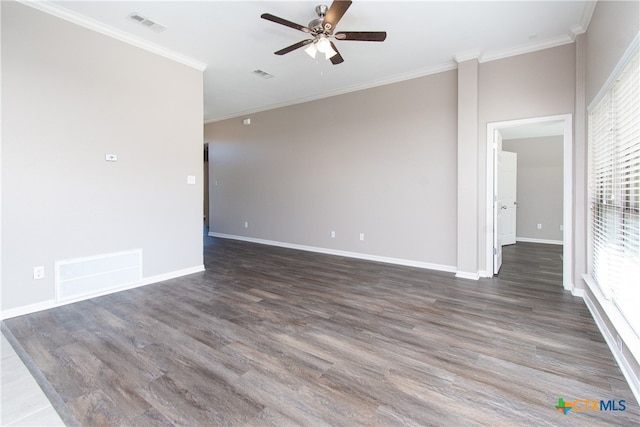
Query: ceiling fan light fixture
x,y
312,50
324,45
330,54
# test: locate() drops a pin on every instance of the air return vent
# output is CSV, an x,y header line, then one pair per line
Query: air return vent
x,y
142,20
83,277
262,74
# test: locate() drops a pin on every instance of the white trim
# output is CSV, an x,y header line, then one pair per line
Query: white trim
x,y
46,305
532,240
534,47
622,63
467,275
567,215
585,19
627,370
567,204
27,309
171,275
580,293
348,254
109,31
616,318
468,55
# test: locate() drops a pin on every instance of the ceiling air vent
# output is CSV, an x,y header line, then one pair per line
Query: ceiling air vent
x,y
142,20
262,74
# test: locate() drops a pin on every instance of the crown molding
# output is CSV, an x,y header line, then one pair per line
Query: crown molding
x,y
109,31
468,55
533,47
585,19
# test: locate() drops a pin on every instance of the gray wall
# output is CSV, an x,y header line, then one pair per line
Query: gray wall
x,y
380,161
385,165
613,26
69,96
539,186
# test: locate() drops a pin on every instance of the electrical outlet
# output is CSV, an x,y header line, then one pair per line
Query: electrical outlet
x,y
38,272
561,227
539,226
246,224
361,236
333,234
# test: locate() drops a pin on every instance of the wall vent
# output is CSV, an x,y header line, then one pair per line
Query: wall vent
x,y
95,275
142,20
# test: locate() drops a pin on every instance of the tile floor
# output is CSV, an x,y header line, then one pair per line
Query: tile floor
x,y
22,401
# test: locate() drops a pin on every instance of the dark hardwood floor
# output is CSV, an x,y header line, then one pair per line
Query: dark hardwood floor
x,y
272,336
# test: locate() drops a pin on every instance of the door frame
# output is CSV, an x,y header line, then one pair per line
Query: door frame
x,y
567,193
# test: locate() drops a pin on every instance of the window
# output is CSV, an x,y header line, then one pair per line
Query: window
x,y
614,163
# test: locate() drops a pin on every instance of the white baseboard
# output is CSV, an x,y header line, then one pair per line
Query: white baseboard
x,y
171,275
46,305
545,241
627,370
467,275
348,254
577,292
28,309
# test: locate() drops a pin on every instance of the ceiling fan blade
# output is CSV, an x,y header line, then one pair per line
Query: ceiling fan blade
x,y
281,21
293,47
336,59
334,14
365,36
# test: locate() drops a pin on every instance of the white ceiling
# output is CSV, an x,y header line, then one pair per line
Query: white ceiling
x,y
231,40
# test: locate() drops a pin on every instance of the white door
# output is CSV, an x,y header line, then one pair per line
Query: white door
x,y
507,184
497,212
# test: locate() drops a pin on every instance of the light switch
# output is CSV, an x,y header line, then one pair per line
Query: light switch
x,y
191,180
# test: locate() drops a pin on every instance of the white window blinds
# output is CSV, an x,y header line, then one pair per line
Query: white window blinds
x,y
614,139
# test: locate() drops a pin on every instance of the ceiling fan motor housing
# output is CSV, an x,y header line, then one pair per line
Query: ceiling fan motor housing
x,y
321,10
316,24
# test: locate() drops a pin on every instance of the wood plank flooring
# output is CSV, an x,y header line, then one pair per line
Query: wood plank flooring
x,y
269,336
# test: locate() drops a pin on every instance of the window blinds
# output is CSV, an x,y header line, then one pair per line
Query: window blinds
x,y
614,138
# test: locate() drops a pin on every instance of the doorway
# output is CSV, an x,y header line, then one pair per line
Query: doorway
x,y
532,125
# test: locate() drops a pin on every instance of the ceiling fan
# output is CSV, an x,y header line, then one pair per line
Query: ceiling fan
x,y
321,29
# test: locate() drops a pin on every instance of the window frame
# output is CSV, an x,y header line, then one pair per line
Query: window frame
x,y
629,333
